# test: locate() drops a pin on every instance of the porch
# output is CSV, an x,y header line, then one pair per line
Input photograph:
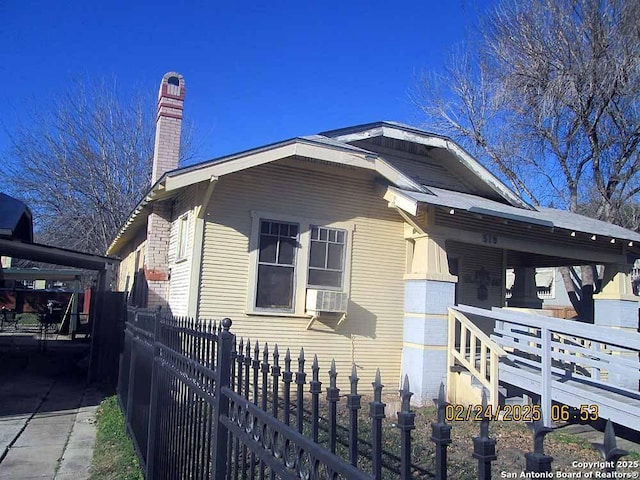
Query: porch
x,y
459,249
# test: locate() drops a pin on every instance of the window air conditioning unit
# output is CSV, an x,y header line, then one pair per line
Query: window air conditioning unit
x,y
326,301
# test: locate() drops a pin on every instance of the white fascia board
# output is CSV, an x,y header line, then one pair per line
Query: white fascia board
x,y
397,199
362,135
181,180
463,157
485,175
334,155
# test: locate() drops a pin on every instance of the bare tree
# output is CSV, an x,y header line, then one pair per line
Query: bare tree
x,y
548,93
83,162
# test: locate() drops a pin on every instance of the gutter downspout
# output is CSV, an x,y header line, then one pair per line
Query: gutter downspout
x,y
193,303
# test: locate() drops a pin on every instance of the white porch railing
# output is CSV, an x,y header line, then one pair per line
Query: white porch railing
x,y
566,361
475,351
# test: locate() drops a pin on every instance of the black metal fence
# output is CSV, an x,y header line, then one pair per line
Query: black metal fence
x,y
200,405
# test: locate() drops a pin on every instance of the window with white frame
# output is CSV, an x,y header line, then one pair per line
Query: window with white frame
x,y
326,257
277,247
181,246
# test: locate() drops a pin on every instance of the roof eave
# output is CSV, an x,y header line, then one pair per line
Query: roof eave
x,y
174,180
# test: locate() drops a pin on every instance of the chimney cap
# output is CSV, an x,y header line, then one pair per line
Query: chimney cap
x,y
173,80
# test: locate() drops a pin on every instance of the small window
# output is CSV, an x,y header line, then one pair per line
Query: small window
x,y
326,257
277,248
181,247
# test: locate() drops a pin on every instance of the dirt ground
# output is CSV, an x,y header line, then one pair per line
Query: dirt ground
x,y
513,440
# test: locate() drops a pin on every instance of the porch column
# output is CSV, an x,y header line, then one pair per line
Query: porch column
x,y
617,307
429,290
524,293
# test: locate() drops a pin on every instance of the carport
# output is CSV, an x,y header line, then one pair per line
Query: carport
x,y
106,314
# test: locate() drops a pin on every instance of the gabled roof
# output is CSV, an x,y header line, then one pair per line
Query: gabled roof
x,y
348,147
472,169
315,147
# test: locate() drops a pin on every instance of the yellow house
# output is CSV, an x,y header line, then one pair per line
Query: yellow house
x,y
350,244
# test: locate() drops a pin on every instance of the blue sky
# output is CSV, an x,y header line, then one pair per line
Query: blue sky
x,y
256,72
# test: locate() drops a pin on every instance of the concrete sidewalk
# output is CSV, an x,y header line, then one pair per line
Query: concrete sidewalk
x,y
47,416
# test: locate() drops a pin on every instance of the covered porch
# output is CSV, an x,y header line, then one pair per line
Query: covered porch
x,y
459,248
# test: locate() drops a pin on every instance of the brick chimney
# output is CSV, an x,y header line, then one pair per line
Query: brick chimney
x,y
166,152
165,157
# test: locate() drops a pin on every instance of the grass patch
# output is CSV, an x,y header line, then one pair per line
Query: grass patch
x,y
114,457
27,319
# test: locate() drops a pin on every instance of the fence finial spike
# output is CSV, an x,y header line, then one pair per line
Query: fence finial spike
x,y
256,350
609,437
405,395
377,387
353,379
241,345
441,404
315,362
609,448
484,398
265,353
287,356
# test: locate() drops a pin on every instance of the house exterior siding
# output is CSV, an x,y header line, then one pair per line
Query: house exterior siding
x,y
129,254
180,267
371,336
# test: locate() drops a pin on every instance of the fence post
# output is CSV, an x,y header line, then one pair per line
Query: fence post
x,y
153,403
315,387
300,381
333,396
132,372
406,423
221,402
353,404
441,435
484,448
376,413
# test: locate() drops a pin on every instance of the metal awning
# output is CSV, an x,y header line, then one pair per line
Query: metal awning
x,y
55,255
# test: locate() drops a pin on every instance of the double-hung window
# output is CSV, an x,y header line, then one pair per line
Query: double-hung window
x,y
326,257
290,256
277,247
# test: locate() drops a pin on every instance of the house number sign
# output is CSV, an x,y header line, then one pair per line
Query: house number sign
x,y
489,238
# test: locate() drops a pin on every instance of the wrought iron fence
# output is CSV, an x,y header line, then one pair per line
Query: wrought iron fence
x,y
201,405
